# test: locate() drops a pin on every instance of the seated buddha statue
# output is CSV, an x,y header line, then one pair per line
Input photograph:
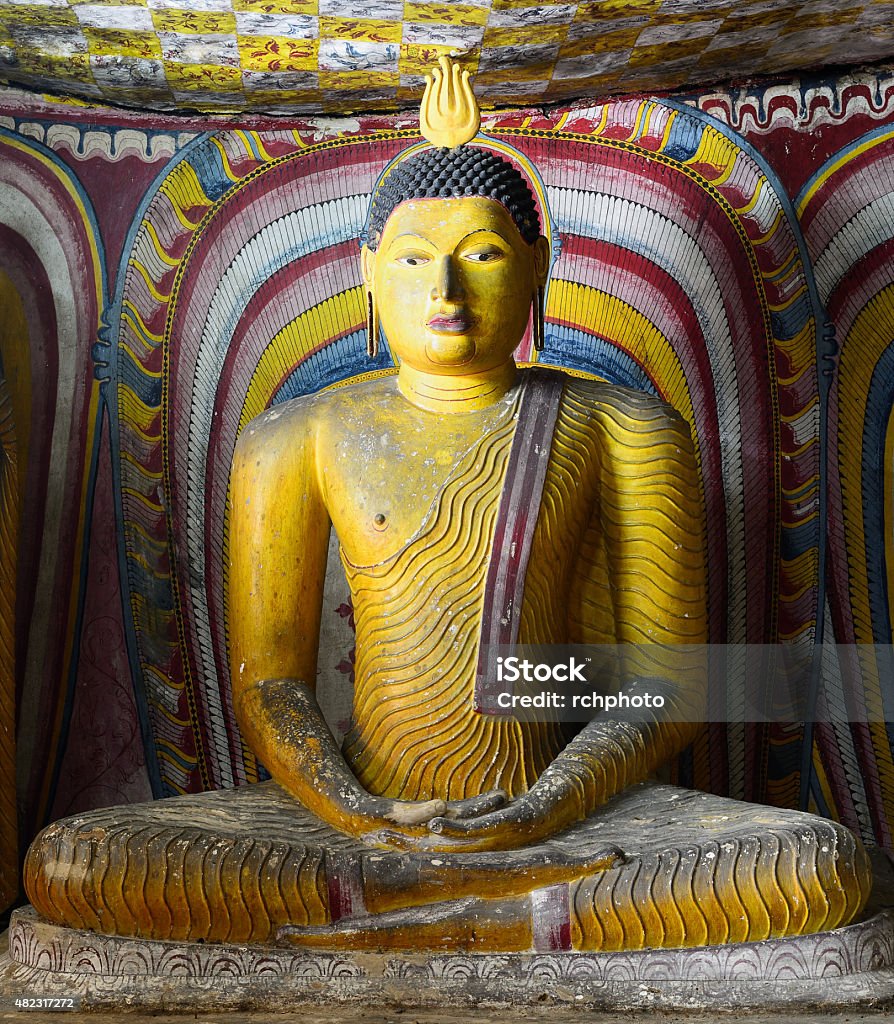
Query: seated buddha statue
x,y
477,506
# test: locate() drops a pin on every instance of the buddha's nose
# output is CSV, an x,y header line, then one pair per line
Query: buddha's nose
x,y
447,285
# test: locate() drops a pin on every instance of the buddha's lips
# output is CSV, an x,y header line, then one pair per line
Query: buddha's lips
x,y
450,323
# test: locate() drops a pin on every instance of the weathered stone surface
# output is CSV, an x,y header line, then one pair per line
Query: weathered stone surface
x,y
852,966
696,869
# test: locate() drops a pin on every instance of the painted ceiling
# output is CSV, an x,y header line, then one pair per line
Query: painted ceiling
x,y
298,56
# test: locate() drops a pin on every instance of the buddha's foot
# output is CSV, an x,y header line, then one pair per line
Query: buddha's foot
x,y
252,866
471,923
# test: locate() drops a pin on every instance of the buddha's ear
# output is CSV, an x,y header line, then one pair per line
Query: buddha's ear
x,y
367,265
541,259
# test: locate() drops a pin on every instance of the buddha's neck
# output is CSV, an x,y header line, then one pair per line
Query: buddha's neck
x,y
449,394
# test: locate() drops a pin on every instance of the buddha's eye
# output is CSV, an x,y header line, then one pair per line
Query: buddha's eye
x,y
483,255
413,259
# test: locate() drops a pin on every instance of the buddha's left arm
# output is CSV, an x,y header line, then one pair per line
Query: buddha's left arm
x,y
643,579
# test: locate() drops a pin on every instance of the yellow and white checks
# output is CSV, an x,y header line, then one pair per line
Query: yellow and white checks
x,y
301,56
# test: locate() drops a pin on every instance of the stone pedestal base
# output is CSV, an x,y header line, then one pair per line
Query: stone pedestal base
x,y
852,966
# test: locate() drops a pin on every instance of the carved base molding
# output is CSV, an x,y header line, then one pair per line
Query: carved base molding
x,y
852,966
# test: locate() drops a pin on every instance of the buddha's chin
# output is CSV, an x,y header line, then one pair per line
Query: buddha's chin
x,y
450,349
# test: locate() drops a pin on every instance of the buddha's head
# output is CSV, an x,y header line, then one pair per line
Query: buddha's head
x,y
454,259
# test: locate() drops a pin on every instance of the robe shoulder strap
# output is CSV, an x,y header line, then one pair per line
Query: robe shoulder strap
x,y
516,518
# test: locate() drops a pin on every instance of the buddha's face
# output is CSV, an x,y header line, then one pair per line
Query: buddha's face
x,y
453,281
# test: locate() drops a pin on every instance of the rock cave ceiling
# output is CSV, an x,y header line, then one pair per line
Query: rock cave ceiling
x,y
341,56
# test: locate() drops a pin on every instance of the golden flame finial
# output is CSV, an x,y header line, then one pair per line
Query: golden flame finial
x,y
449,113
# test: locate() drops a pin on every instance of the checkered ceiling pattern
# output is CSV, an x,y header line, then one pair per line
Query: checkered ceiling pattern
x,y
301,56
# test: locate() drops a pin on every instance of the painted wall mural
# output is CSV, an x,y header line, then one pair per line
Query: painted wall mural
x,y
174,278
10,514
300,56
831,145
52,279
845,209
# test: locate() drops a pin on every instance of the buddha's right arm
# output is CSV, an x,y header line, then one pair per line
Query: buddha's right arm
x,y
282,723
279,535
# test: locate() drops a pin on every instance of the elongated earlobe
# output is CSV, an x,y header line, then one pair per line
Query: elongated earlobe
x,y
372,327
538,319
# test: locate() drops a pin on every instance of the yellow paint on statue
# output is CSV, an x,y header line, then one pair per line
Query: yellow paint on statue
x,y
421,477
456,280
449,115
454,283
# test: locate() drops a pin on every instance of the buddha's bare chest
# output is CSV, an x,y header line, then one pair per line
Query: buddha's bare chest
x,y
384,468
382,479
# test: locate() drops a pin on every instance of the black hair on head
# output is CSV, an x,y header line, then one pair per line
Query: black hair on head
x,y
441,173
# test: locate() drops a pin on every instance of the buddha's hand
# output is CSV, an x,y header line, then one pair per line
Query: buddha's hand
x,y
417,812
404,824
539,813
548,807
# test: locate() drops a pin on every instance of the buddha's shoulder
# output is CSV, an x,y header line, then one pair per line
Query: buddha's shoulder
x,y
276,423
306,414
282,430
619,408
